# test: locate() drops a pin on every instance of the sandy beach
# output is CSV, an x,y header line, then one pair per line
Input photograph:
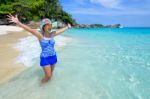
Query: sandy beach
x,y
8,38
19,49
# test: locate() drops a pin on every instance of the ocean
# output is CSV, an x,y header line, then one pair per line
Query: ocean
x,y
97,63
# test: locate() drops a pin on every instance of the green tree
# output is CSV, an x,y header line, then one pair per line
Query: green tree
x,y
36,9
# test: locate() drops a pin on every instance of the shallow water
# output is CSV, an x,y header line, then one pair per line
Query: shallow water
x,y
96,64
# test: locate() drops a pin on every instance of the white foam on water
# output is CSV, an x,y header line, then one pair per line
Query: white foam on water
x,y
8,29
30,49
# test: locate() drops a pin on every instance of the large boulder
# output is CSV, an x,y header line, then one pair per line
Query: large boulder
x,y
3,22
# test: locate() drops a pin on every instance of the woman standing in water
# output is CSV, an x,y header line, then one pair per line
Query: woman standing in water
x,y
48,57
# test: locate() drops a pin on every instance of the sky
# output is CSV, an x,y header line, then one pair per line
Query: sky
x,y
128,13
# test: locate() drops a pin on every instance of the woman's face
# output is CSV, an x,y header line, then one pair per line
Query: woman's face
x,y
47,27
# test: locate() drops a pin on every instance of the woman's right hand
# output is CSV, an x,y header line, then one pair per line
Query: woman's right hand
x,y
12,18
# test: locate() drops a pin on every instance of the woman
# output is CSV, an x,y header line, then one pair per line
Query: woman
x,y
48,57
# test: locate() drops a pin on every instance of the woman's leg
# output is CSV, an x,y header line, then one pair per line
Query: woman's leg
x,y
52,67
48,74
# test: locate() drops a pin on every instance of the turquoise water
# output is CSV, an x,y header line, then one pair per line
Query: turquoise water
x,y
96,64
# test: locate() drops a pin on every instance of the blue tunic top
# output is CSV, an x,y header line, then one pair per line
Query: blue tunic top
x,y
47,46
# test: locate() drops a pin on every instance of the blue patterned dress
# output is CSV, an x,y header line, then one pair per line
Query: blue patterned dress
x,y
48,53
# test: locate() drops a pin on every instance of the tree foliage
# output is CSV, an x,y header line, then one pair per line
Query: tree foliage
x,y
36,9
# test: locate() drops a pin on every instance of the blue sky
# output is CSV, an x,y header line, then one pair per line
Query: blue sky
x,y
129,13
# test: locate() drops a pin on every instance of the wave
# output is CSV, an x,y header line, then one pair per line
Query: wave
x,y
30,49
8,29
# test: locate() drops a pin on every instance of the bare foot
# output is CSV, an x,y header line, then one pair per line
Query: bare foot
x,y
43,81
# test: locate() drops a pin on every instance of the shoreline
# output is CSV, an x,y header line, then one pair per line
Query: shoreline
x,y
8,67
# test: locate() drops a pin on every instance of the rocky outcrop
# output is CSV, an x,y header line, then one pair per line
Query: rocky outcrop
x,y
113,26
33,24
3,20
96,26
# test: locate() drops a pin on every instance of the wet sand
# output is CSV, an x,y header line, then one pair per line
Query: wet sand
x,y
8,53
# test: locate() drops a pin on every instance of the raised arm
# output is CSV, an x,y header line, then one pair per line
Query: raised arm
x,y
14,19
62,30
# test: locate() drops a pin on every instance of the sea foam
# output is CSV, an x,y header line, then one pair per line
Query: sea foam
x,y
30,49
8,29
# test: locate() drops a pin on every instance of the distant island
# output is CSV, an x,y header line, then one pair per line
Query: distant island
x,y
97,26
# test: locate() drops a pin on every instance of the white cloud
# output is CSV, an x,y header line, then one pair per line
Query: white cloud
x,y
92,11
108,3
117,5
